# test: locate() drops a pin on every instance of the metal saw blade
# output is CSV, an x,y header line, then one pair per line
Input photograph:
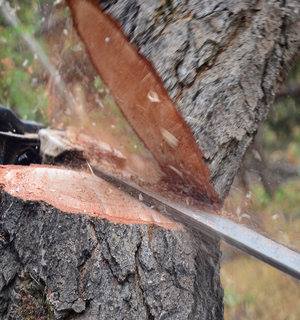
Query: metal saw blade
x,y
239,236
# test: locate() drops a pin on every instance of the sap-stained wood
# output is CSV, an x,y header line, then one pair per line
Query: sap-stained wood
x,y
142,97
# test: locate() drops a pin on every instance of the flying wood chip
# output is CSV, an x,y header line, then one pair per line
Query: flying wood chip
x,y
139,92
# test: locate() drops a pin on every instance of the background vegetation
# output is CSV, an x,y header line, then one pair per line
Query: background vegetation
x,y
265,195
254,290
21,87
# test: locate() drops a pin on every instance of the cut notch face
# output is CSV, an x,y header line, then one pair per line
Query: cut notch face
x,y
78,192
141,95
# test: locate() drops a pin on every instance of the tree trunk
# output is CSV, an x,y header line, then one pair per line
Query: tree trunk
x,y
221,63
55,265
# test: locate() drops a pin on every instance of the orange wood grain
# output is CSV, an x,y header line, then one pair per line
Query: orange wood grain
x,y
140,94
78,192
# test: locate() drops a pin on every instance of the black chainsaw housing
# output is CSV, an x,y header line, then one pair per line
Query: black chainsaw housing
x,y
19,142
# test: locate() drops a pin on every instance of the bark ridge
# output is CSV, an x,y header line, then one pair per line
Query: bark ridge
x,y
221,63
55,265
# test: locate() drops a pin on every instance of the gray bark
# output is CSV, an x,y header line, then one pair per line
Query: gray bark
x,y
220,62
63,266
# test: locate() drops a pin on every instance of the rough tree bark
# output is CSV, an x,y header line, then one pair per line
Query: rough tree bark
x,y
56,265
221,62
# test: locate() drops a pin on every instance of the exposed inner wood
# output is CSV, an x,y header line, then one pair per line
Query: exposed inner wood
x,y
143,99
78,192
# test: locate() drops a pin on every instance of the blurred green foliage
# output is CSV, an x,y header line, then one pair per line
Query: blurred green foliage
x,y
286,199
254,290
233,299
20,87
283,125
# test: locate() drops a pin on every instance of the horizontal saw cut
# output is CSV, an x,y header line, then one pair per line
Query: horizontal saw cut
x,y
78,192
140,94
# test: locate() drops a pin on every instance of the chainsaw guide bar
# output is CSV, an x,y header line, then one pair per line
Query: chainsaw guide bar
x,y
239,236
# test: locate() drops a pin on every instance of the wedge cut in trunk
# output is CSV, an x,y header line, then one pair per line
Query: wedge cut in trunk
x,y
194,79
141,95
